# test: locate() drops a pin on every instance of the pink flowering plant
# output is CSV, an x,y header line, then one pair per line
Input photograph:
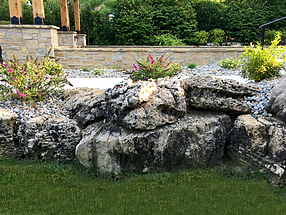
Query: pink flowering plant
x,y
152,68
31,81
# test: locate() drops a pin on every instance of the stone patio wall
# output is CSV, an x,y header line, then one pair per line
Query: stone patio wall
x,y
125,57
36,40
24,40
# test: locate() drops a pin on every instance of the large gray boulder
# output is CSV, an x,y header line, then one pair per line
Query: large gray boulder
x,y
8,145
277,102
43,138
209,93
260,143
195,140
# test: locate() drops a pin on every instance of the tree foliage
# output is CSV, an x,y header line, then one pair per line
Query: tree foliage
x,y
4,10
95,21
210,15
137,22
243,19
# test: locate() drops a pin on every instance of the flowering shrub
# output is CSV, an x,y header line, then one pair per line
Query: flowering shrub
x,y
31,81
260,64
154,68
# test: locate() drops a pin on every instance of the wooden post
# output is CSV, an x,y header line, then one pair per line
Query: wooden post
x,y
38,11
15,12
65,15
76,16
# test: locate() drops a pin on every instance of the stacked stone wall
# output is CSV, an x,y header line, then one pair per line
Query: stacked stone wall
x,y
125,57
27,40
67,39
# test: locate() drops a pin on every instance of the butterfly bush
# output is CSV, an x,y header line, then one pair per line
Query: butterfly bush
x,y
31,81
151,68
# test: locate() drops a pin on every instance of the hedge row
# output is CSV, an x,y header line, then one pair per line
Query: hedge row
x,y
155,22
139,22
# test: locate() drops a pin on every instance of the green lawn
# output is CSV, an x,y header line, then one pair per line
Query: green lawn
x,y
47,188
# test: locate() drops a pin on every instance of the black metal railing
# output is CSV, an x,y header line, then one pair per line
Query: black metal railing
x,y
1,60
264,28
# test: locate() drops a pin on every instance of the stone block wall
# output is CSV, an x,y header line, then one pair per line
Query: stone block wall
x,y
81,40
67,39
125,57
27,40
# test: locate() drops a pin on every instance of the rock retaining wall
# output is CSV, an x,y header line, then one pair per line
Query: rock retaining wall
x,y
144,126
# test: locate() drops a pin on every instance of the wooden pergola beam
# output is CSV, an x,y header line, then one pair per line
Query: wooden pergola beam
x,y
65,15
76,16
15,12
38,11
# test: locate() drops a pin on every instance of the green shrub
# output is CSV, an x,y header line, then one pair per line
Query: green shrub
x,y
201,37
150,67
31,81
96,72
168,40
86,69
217,36
261,63
230,63
192,65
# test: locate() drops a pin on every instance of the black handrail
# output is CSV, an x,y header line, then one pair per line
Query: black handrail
x,y
264,28
1,60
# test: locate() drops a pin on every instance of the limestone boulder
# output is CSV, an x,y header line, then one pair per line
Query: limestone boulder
x,y
44,138
261,143
209,93
145,105
195,140
78,98
277,102
140,105
8,126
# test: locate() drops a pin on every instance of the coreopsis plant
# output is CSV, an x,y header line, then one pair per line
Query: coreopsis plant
x,y
31,81
152,68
